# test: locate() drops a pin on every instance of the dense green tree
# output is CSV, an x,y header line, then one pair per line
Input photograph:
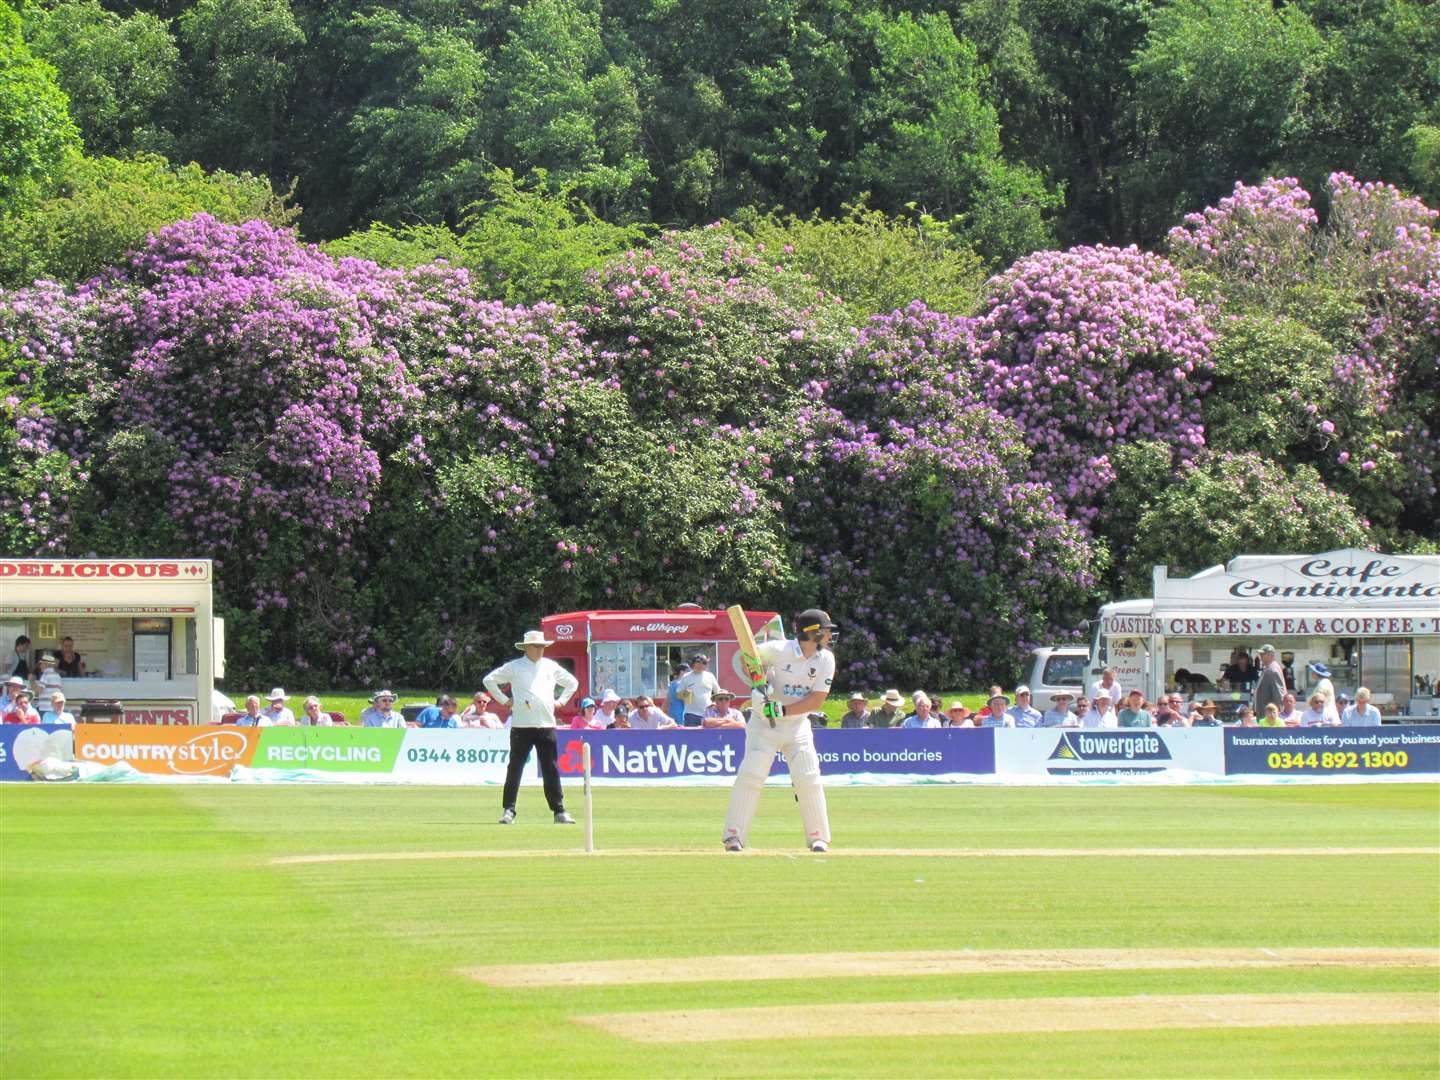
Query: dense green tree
x,y
241,56
37,136
121,74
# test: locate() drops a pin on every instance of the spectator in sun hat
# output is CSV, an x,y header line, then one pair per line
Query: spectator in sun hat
x,y
381,712
857,712
1205,714
647,716
997,714
888,715
609,708
21,711
1058,715
46,679
279,715
722,712
1022,712
1101,713
957,715
13,683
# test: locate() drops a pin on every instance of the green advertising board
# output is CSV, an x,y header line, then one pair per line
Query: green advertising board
x,y
368,750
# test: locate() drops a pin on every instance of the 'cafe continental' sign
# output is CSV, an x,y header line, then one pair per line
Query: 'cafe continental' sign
x,y
1327,578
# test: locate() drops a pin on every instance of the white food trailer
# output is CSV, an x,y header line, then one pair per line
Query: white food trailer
x,y
145,629
1372,619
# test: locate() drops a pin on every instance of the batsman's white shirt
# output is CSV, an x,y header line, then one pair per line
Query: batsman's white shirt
x,y
792,675
532,697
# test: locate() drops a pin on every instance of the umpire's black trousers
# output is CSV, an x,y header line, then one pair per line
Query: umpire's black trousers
x,y
542,741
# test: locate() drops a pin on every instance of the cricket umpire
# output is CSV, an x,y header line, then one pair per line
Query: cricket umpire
x,y
799,672
537,685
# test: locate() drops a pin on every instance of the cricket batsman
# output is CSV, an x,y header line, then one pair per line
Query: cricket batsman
x,y
799,673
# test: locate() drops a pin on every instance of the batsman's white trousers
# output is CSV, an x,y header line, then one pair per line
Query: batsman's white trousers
x,y
793,738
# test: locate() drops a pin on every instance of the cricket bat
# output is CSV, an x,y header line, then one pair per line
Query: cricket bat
x,y
751,662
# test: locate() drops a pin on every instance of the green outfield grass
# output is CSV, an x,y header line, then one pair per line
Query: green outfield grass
x,y
147,932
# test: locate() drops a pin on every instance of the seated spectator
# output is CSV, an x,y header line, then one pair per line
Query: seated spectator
x,y
252,716
312,715
818,719
620,724
439,715
888,715
46,680
1110,684
1022,712
21,711
1205,715
58,713
1362,713
1317,715
479,714
1272,716
921,717
381,712
1289,713
13,683
609,705
996,713
647,716
1100,714
957,715
1245,717
1133,713
71,664
1058,715
674,703
587,719
857,712
1169,711
279,715
722,712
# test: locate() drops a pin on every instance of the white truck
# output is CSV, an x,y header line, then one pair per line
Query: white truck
x,y
1052,668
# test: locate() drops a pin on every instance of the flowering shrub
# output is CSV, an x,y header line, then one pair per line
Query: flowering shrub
x,y
1090,349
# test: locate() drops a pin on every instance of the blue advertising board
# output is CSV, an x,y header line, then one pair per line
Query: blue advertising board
x,y
710,752
1332,751
21,745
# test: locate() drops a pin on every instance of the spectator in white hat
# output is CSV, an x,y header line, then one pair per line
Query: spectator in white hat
x,y
1022,712
997,713
1101,713
888,715
381,712
13,683
46,679
1058,715
722,712
857,712
279,715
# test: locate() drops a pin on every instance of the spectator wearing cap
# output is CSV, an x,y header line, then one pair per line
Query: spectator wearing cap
x,y
888,715
957,715
58,713
857,712
1270,690
1022,712
696,689
997,710
313,714
279,715
439,715
1058,715
1133,713
21,711
1320,674
381,712
674,704
1110,684
252,716
479,714
921,716
538,685
1100,714
1362,713
647,716
587,718
722,712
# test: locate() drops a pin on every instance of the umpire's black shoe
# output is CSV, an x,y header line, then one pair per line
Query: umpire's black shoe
x,y
562,818
508,817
